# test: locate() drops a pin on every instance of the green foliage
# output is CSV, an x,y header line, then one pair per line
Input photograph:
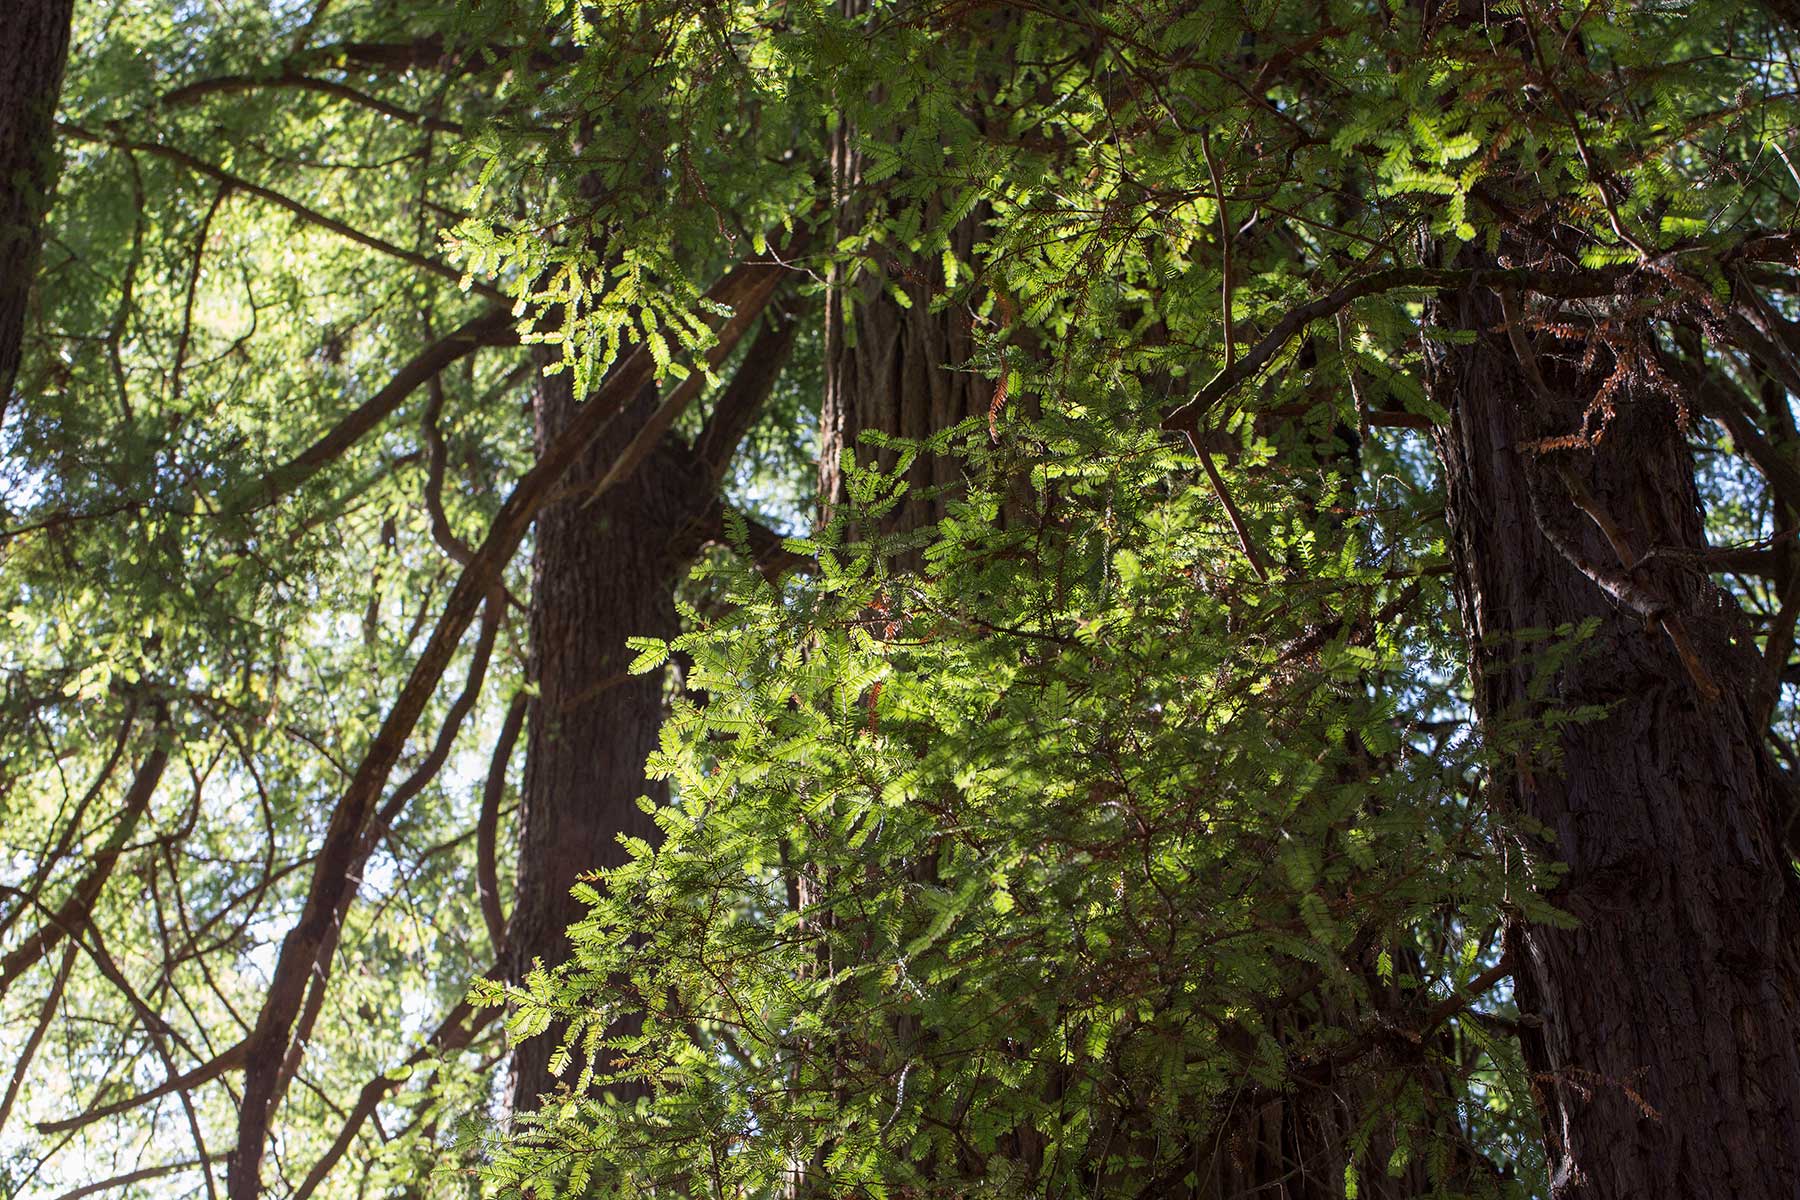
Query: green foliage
x,y
1030,871
1026,873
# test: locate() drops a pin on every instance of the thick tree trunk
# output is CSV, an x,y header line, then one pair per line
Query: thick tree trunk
x,y
1666,1027
600,573
34,45
893,370
604,568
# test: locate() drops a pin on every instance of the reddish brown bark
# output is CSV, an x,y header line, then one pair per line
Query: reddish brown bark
x,y
1665,1029
604,569
34,46
600,572
891,369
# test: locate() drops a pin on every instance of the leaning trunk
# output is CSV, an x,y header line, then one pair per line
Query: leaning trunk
x,y
1664,1029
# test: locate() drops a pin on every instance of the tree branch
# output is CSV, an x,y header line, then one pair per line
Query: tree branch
x,y
492,328
229,84
436,456
74,911
1598,282
131,1177
648,438
46,1011
312,215
457,1030
743,399
333,883
487,872
229,1059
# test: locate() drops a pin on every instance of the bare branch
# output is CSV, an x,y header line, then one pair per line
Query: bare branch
x,y
335,872
738,405
312,215
51,855
230,1059
428,53
492,614
492,328
436,459
1598,282
648,438
457,1030
45,1012
131,1177
231,84
74,911
487,873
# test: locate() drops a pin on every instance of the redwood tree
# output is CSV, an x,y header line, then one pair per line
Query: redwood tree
x,y
607,556
1665,1021
34,45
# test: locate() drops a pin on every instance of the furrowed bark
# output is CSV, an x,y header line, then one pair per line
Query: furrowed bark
x,y
608,555
34,47
1665,1027
890,369
337,866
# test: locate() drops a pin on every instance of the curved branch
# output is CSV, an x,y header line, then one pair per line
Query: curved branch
x,y
1598,282
436,459
229,84
74,911
487,872
492,328
335,871
645,442
137,1176
229,1059
429,53
311,215
491,615
737,406
46,1011
457,1030
49,856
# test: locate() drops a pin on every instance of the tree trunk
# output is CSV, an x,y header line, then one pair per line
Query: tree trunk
x,y
604,568
1665,1028
34,45
600,573
889,369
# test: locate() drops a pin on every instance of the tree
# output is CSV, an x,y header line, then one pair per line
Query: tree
x,y
1666,1038
37,46
414,524
1667,811
1286,448
607,558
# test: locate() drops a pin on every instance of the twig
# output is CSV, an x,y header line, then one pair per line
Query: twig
x,y
1231,510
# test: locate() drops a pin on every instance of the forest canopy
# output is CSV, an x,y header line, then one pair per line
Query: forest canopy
x,y
899,598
